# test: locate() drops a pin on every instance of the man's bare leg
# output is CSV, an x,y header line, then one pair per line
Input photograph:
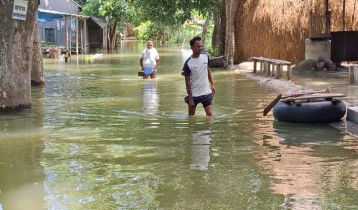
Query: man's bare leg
x,y
145,77
209,110
192,110
153,75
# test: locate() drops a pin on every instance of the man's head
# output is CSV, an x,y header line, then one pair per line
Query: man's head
x,y
149,44
196,45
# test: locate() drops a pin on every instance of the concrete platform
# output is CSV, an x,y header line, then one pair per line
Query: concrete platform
x,y
352,114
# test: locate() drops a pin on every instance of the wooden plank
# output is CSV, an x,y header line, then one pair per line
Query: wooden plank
x,y
315,96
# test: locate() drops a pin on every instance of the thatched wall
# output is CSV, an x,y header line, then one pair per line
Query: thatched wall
x,y
130,30
278,29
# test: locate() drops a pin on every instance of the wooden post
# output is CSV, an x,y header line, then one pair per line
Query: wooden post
x,y
104,38
255,66
289,72
269,68
344,15
85,35
279,71
261,67
66,27
353,75
70,40
77,36
266,69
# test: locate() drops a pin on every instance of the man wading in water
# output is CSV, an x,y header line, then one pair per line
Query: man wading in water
x,y
199,83
149,61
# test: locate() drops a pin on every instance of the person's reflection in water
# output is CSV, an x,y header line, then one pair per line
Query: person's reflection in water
x,y
200,147
150,98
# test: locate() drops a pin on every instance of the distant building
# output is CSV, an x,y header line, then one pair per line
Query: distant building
x,y
52,14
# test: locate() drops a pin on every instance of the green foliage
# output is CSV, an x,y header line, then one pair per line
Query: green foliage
x,y
115,10
150,31
214,51
174,12
73,45
101,51
43,44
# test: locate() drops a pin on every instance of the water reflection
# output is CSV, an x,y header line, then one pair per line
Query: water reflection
x,y
308,163
21,149
200,144
296,133
200,150
150,98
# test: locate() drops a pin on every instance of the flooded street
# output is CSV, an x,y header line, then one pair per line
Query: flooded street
x,y
100,137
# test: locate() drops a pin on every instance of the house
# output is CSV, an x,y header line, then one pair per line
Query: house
x,y
56,17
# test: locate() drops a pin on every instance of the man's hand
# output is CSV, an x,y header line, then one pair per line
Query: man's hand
x,y
191,102
213,89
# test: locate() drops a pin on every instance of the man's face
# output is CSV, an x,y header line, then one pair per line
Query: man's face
x,y
198,47
150,45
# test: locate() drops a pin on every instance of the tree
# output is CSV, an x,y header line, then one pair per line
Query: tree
x,y
169,13
115,11
16,50
37,69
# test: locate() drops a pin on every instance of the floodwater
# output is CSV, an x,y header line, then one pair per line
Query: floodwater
x,y
99,137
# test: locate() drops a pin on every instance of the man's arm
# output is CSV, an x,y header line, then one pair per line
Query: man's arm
x,y
156,66
211,81
188,90
141,63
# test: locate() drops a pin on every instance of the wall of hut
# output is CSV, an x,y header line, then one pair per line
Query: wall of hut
x,y
278,29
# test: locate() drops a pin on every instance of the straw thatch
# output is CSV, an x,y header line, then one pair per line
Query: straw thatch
x,y
278,29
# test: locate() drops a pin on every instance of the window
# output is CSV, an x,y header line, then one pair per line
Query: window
x,y
49,34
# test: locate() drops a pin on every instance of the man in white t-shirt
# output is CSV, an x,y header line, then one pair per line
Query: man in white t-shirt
x,y
199,84
149,61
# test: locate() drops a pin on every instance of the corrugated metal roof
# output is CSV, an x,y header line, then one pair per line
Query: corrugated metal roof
x,y
50,15
99,22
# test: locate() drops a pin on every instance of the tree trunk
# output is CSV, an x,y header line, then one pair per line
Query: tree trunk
x,y
205,31
231,7
112,34
219,29
37,70
16,44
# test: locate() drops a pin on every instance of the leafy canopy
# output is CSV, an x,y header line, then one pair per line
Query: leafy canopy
x,y
173,12
115,10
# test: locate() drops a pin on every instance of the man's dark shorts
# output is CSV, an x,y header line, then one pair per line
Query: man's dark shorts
x,y
206,100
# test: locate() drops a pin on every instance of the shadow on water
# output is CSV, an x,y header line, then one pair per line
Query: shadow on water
x,y
21,145
296,133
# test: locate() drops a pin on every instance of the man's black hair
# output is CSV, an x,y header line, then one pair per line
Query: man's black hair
x,y
193,40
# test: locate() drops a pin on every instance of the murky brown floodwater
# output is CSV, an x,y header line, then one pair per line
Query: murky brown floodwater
x,y
99,137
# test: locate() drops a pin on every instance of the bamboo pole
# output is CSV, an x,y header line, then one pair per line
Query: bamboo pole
x,y
70,40
77,37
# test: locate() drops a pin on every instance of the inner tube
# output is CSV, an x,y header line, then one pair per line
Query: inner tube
x,y
316,111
